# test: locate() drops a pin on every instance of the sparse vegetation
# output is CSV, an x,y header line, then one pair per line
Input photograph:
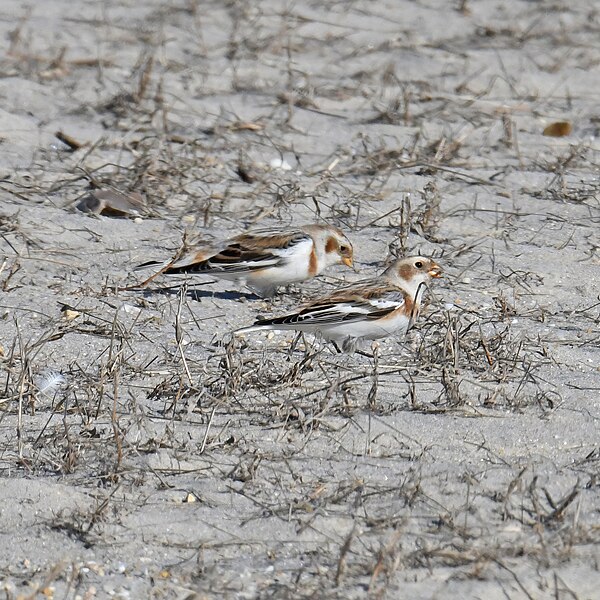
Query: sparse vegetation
x,y
145,452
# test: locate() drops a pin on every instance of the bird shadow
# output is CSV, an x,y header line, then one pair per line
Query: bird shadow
x,y
198,294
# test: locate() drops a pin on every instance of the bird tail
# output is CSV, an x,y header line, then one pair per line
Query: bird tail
x,y
282,323
256,327
169,266
150,263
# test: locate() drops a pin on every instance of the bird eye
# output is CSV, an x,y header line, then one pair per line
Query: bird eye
x,y
419,264
344,249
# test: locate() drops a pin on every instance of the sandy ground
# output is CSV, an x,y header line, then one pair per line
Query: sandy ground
x,y
462,462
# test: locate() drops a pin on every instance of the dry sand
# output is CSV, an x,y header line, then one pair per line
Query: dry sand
x,y
464,462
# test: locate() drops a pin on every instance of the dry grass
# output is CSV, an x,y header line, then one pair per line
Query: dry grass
x,y
275,467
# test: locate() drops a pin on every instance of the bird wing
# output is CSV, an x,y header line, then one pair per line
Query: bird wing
x,y
255,251
243,253
346,306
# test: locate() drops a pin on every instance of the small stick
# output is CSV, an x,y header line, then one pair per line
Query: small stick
x,y
341,566
69,141
208,425
179,331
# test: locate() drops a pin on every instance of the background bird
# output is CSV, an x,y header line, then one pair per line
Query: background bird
x,y
265,259
369,309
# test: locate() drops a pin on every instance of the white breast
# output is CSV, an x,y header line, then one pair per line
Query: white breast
x,y
295,267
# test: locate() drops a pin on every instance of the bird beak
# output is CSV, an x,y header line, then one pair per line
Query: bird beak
x,y
435,271
347,260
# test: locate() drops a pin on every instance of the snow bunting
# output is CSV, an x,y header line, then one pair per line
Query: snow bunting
x,y
369,309
266,259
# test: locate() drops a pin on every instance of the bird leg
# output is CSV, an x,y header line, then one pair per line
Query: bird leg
x,y
349,345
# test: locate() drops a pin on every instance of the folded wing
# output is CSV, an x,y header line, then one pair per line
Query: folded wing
x,y
362,305
244,253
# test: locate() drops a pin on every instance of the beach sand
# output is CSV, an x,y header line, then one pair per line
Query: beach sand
x,y
146,453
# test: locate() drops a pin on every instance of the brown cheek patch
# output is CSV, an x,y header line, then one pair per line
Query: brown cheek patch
x,y
331,245
405,272
312,263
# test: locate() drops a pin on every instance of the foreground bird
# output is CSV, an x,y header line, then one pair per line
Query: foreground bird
x,y
266,259
369,309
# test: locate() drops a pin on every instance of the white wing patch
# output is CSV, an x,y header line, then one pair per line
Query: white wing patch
x,y
352,310
391,300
